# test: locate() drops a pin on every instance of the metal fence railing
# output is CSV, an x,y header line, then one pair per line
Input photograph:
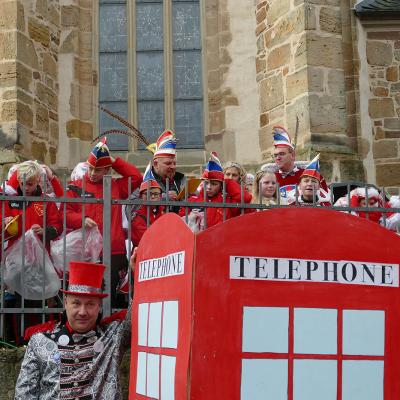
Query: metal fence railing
x,y
18,312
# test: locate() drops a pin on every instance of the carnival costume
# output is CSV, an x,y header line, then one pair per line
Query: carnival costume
x,y
62,364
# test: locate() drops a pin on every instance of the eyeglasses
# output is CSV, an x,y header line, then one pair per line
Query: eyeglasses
x,y
154,195
281,154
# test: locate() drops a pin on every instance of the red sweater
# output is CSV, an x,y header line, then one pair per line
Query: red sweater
x,y
139,222
294,179
119,190
216,215
34,215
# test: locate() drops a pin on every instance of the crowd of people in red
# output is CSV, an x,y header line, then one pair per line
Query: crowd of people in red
x,y
283,182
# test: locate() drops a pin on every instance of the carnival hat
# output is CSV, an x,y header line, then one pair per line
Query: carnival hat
x,y
281,137
312,169
11,229
165,145
85,279
213,170
99,157
148,180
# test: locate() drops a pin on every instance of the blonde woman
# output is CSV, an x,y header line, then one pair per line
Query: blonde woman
x,y
233,170
265,188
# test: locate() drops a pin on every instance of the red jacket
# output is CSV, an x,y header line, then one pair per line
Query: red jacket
x,y
216,215
119,190
139,222
294,178
34,215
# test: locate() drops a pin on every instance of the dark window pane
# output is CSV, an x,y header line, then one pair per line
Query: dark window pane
x,y
187,75
149,26
186,25
113,77
113,28
115,142
189,123
150,76
151,119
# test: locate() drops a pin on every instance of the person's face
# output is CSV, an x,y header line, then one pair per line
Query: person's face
x,y
371,203
232,173
268,185
82,312
284,158
96,174
212,187
30,184
165,167
154,194
308,186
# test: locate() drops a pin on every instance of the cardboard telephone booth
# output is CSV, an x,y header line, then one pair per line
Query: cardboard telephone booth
x,y
285,304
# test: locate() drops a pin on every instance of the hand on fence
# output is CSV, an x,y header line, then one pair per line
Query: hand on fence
x,y
37,229
132,261
172,195
89,223
7,220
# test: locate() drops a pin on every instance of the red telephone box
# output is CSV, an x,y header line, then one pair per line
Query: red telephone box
x,y
285,304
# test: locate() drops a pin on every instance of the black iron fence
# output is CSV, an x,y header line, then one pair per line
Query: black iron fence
x,y
17,309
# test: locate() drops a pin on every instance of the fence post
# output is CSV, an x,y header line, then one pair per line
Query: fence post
x,y
107,242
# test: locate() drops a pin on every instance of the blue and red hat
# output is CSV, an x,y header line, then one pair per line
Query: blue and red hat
x,y
281,137
213,170
149,181
85,279
312,169
165,145
100,155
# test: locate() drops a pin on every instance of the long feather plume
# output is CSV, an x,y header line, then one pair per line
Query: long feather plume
x,y
133,131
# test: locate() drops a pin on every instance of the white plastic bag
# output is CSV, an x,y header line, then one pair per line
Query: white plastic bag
x,y
195,221
30,281
75,248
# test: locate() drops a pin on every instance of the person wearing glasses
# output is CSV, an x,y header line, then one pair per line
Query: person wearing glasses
x,y
287,170
146,215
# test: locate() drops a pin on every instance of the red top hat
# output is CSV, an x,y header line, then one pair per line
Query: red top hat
x,y
85,279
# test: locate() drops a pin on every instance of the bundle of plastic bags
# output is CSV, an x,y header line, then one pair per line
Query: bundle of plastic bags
x,y
29,270
78,247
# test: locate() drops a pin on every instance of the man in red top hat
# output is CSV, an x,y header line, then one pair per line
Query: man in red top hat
x,y
91,186
79,357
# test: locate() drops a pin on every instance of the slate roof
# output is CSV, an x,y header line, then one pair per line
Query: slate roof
x,y
378,8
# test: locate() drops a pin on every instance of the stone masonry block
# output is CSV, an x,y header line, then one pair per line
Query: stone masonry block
x,y
39,32
379,53
386,148
278,57
387,174
26,51
277,8
324,51
12,16
327,114
69,16
392,73
296,84
336,82
79,129
49,65
271,93
330,20
381,108
39,150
